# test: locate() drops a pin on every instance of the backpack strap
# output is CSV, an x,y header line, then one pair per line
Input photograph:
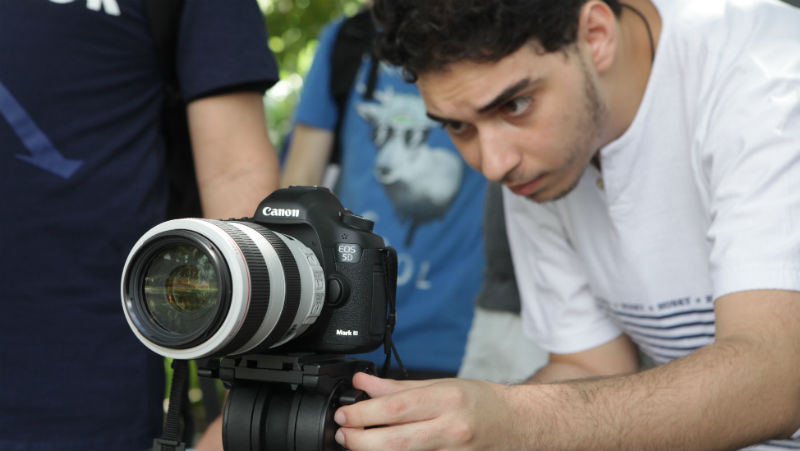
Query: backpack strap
x,y
184,200
353,41
164,16
184,196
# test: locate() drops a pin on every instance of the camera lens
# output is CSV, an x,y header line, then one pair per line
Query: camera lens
x,y
181,288
194,288
175,289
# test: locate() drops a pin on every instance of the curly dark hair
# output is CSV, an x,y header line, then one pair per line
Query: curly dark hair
x,y
424,35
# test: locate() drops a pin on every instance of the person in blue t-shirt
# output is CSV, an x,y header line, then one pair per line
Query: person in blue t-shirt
x,y
83,176
400,170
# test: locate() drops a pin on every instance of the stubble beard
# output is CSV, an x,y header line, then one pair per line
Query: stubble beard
x,y
590,123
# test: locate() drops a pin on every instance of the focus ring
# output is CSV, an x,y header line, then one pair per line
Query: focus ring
x,y
291,273
259,286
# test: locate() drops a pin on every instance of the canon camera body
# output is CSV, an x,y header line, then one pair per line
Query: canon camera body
x,y
302,275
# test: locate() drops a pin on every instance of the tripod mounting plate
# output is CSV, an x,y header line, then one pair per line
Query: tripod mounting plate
x,y
313,372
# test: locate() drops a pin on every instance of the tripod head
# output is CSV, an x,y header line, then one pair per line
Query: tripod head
x,y
285,402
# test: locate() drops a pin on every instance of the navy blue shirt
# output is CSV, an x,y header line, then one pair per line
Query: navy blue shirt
x,y
81,178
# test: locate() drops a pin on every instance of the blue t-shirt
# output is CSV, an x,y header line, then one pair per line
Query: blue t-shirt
x,y
401,170
81,178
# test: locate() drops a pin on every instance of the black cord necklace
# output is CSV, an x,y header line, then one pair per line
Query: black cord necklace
x,y
596,158
647,27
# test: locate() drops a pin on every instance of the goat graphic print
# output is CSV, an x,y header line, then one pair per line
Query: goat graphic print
x,y
421,181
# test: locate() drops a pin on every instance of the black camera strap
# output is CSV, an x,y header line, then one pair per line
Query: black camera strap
x,y
390,277
171,438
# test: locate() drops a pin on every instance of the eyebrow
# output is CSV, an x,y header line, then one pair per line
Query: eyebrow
x,y
507,94
504,97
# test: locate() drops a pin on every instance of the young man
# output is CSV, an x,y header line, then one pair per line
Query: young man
x,y
653,150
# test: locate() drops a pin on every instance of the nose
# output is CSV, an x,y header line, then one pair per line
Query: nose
x,y
497,153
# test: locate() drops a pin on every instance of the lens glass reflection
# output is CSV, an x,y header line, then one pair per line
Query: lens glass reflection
x,y
181,289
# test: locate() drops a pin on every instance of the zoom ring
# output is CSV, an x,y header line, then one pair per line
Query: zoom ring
x,y
292,276
259,286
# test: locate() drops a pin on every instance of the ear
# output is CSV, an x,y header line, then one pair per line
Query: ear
x,y
597,32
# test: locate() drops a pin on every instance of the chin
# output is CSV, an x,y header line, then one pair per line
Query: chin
x,y
552,194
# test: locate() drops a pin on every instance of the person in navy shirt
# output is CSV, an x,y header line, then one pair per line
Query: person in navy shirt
x,y
83,176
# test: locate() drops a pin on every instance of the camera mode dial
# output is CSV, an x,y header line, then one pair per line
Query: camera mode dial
x,y
357,222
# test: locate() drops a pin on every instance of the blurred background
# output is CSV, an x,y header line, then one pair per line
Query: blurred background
x,y
293,27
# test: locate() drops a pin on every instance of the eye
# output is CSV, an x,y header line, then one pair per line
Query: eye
x,y
456,128
517,106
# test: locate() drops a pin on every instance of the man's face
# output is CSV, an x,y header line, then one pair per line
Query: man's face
x,y
532,120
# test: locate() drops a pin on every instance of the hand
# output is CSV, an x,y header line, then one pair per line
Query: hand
x,y
421,415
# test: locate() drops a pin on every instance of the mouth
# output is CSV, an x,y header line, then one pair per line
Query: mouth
x,y
528,188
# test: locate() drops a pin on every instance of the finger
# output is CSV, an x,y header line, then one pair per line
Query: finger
x,y
412,436
418,403
377,387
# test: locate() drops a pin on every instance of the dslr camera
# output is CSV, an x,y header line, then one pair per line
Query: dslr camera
x,y
274,302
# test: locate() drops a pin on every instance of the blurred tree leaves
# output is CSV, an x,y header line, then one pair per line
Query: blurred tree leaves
x,y
294,26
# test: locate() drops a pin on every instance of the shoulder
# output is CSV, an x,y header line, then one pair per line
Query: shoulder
x,y
724,29
329,34
735,56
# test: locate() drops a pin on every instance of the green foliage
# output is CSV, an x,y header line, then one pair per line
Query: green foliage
x,y
294,26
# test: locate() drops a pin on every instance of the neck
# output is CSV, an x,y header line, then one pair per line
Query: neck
x,y
640,29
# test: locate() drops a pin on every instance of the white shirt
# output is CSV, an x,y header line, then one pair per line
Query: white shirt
x,y
701,194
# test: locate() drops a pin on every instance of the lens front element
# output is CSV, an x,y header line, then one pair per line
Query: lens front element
x,y
176,289
181,289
